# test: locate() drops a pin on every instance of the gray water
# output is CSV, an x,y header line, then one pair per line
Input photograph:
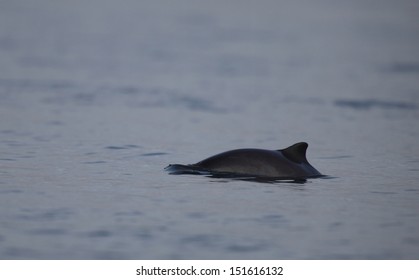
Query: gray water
x,y
97,97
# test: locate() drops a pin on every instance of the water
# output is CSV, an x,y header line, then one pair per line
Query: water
x,y
97,97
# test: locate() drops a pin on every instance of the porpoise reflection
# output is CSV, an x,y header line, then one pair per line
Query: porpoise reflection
x,y
286,164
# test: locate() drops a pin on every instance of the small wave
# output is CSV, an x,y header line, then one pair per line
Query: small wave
x,y
154,154
123,147
374,103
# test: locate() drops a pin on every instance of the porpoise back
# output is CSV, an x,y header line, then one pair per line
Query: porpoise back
x,y
289,163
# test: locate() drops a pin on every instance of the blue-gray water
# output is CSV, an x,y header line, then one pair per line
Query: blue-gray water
x,y
97,97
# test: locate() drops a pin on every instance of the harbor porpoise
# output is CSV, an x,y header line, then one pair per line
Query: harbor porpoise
x,y
286,164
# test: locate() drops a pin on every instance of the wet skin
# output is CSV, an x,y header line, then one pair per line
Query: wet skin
x,y
289,163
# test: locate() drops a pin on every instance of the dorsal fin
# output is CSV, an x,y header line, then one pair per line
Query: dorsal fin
x,y
296,152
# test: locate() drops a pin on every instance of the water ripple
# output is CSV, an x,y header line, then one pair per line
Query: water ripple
x,y
368,104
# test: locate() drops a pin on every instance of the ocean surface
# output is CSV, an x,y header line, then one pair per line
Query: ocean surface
x,y
97,97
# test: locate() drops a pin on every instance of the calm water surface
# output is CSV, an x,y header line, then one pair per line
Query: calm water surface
x,y
97,97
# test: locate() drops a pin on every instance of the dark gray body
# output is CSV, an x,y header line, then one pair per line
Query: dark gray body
x,y
289,163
